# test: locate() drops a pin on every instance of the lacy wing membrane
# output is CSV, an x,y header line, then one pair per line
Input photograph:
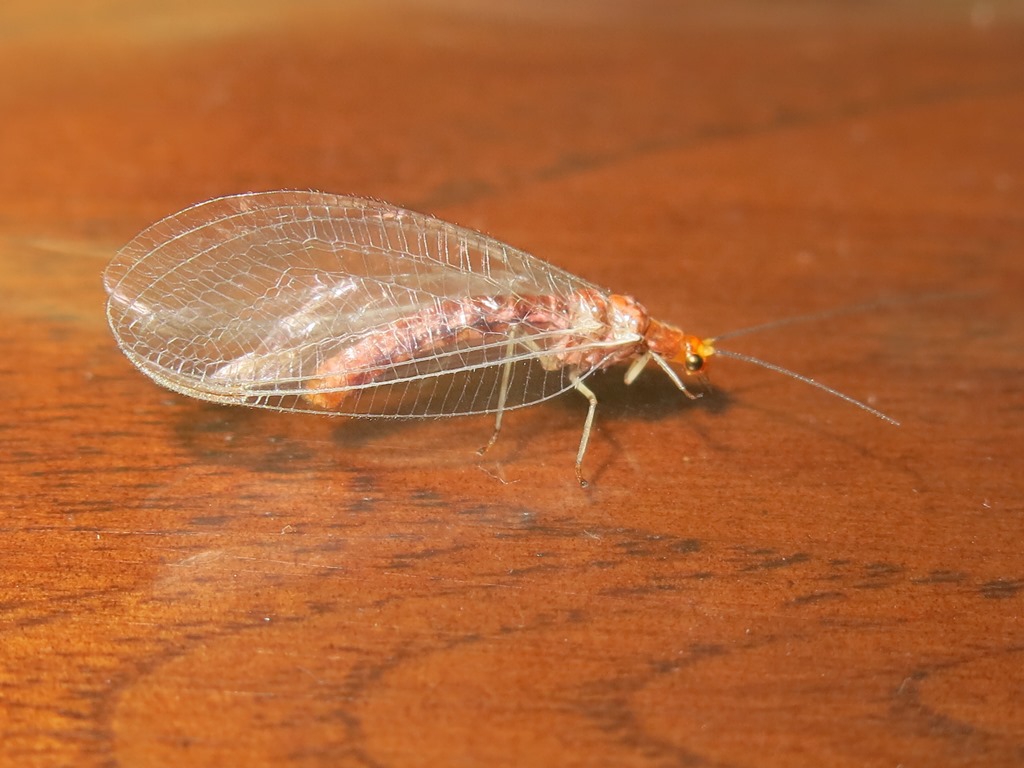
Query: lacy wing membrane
x,y
309,301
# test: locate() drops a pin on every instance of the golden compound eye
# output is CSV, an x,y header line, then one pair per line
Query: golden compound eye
x,y
693,362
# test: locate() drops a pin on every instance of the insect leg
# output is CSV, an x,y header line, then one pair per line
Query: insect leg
x,y
592,399
637,367
670,373
503,393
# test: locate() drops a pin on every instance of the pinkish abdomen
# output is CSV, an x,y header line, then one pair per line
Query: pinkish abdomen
x,y
578,324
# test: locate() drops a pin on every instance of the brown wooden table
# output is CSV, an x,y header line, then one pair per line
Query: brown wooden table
x,y
764,577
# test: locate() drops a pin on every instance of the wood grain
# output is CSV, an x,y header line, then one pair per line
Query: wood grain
x,y
764,577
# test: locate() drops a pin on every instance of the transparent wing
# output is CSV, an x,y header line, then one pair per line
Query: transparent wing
x,y
274,299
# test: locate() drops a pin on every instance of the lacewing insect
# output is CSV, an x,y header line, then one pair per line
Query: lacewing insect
x,y
304,301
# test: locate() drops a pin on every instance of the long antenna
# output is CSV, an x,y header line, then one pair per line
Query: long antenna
x,y
854,309
806,380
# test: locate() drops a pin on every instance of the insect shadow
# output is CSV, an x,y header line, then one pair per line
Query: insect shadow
x,y
257,440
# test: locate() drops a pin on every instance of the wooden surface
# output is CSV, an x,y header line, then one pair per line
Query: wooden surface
x,y
764,577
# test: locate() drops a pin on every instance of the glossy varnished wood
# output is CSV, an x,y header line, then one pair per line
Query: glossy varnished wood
x,y
766,576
